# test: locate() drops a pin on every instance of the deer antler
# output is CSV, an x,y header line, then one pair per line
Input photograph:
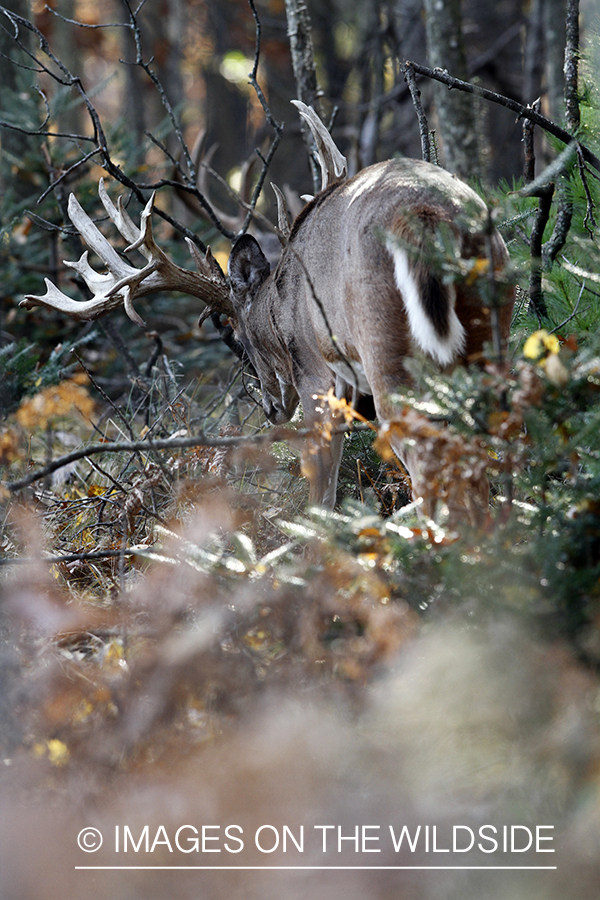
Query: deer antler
x,y
123,282
332,161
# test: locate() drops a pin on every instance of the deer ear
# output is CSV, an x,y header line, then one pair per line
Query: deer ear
x,y
248,267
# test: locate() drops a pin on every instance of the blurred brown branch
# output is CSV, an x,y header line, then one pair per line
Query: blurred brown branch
x,y
180,443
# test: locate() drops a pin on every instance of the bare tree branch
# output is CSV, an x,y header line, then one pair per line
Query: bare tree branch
x,y
415,93
589,220
558,238
274,435
536,295
524,112
528,146
77,557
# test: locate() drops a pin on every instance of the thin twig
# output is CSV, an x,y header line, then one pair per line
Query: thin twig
x,y
190,189
589,220
574,313
139,61
66,173
276,126
81,24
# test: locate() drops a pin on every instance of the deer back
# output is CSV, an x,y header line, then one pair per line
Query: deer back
x,y
377,268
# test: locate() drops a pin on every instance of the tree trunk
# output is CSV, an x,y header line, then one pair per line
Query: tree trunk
x,y
456,111
372,82
533,64
554,26
305,73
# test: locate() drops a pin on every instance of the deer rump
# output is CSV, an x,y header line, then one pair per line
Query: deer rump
x,y
375,271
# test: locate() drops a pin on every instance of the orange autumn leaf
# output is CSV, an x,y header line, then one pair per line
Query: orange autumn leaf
x,y
52,403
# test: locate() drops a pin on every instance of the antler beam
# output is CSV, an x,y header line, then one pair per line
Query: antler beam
x,y
123,283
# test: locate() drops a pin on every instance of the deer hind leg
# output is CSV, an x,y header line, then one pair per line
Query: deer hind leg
x,y
322,454
321,463
447,471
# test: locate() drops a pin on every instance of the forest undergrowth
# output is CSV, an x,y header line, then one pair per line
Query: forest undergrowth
x,y
204,646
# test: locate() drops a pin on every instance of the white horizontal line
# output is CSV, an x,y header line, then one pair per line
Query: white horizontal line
x,y
322,868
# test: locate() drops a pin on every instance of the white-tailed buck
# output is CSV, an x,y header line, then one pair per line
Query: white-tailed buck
x,y
396,261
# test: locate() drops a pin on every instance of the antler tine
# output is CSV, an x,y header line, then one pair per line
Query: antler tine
x,y
283,222
123,282
82,310
331,160
119,215
96,240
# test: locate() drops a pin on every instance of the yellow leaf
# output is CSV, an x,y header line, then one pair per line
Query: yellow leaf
x,y
539,344
341,405
54,402
551,343
55,750
479,268
369,533
114,651
87,538
9,447
58,753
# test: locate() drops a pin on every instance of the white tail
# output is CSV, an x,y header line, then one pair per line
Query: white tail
x,y
443,347
376,268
